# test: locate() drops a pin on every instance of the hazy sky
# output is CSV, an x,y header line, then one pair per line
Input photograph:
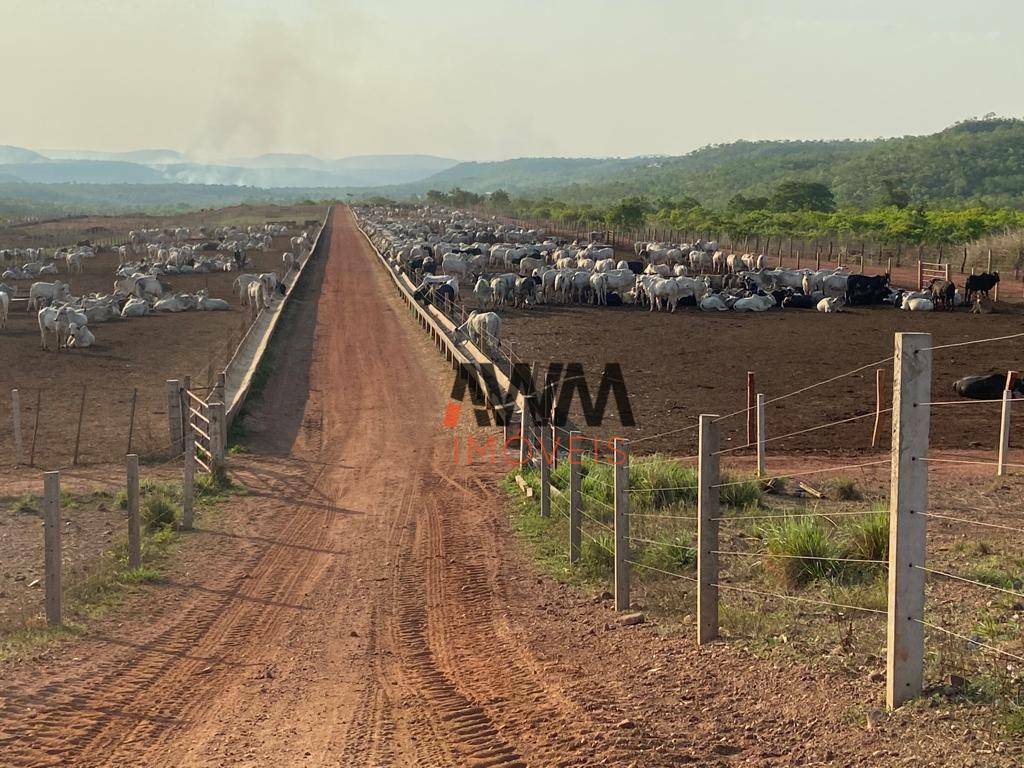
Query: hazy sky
x,y
491,79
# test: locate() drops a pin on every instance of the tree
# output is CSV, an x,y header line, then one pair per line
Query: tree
x,y
436,197
803,196
895,195
628,214
499,198
740,203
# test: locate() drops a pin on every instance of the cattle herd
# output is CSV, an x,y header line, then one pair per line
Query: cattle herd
x,y
139,288
504,265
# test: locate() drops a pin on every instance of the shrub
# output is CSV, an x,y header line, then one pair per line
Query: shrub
x,y
793,539
158,511
674,555
598,553
657,482
869,536
26,504
845,489
740,493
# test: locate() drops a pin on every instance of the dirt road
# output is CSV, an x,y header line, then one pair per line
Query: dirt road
x,y
365,607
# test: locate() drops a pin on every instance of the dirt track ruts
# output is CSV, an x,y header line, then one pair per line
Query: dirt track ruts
x,y
363,625
365,605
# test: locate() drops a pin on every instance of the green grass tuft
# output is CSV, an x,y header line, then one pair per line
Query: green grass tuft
x,y
868,536
845,489
793,539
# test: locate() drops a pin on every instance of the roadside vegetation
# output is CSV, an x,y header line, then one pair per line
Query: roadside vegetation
x,y
92,588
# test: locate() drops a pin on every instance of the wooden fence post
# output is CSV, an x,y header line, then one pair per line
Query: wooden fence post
x,y
131,418
545,472
620,460
52,548
751,415
995,290
188,487
134,519
523,436
762,437
35,427
78,432
575,513
707,531
908,499
217,428
876,432
920,274
1004,431
174,416
16,423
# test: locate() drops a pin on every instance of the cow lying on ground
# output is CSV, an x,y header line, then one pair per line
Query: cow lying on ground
x,y
989,387
861,289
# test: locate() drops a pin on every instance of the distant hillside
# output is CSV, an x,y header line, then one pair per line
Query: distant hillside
x,y
10,154
159,166
978,160
83,172
143,156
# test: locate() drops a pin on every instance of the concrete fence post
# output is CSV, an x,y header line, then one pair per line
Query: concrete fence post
x,y
575,498
762,436
188,487
52,548
174,412
620,460
545,472
19,455
524,435
1004,432
707,530
908,500
134,518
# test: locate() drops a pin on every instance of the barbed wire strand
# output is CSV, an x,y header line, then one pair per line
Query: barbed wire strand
x,y
965,580
972,522
973,402
800,557
799,599
800,474
971,640
659,543
805,431
975,341
966,461
674,575
799,514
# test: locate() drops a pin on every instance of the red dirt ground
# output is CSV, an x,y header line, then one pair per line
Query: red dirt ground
x,y
677,366
364,607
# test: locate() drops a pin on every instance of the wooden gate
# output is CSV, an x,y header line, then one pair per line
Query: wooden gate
x,y
928,271
205,426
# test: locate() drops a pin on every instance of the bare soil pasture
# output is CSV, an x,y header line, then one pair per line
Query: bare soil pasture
x,y
141,353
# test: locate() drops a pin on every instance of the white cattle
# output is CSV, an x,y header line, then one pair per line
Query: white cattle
x,y
754,303
713,302
455,266
53,320
74,262
661,270
484,329
482,292
205,304
258,298
830,305
135,307
914,304
5,308
243,282
80,336
169,304
49,292
700,261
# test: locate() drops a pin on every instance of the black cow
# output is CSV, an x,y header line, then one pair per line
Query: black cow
x,y
614,300
636,267
429,265
982,284
799,301
862,290
943,293
989,387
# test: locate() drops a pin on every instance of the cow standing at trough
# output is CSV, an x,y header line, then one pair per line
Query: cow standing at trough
x,y
483,329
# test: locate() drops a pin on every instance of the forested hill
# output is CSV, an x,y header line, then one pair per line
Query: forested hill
x,y
973,161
